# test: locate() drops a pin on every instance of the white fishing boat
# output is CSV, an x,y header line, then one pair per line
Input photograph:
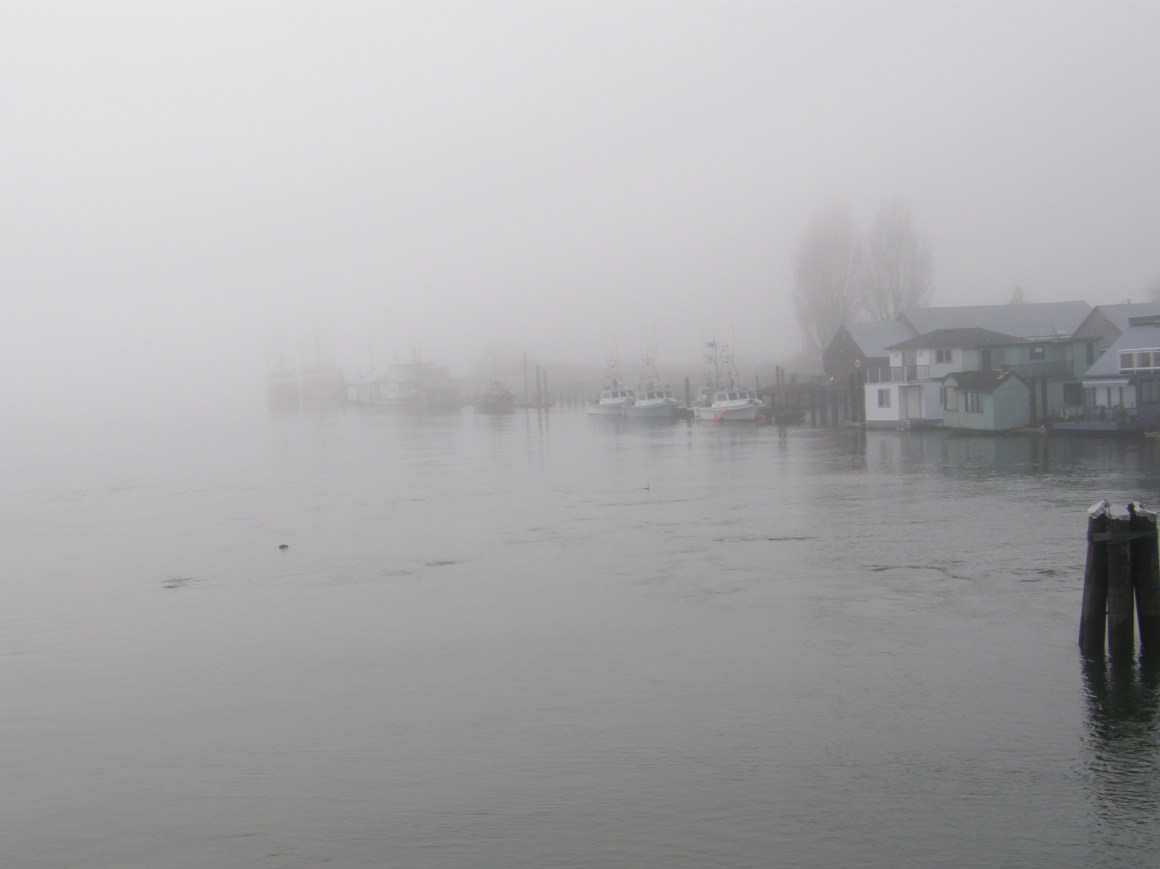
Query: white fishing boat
x,y
652,400
614,396
722,398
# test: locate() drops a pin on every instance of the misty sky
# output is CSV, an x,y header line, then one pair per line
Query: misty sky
x,y
182,181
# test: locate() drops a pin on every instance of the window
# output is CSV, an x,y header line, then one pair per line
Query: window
x,y
1142,360
1038,353
952,399
884,398
1091,352
944,357
973,402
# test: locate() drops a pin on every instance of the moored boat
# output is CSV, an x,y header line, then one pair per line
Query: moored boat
x,y
497,398
722,398
613,397
651,400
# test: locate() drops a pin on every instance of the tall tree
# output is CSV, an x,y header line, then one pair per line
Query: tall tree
x,y
829,263
898,264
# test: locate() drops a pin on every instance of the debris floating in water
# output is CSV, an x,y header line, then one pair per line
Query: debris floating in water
x,y
283,546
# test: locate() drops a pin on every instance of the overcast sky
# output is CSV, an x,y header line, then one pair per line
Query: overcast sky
x,y
182,181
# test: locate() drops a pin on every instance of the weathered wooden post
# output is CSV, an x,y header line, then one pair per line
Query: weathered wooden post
x,y
1095,582
1146,575
1121,630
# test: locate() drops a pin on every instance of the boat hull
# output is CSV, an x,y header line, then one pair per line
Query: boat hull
x,y
667,410
496,405
727,413
595,409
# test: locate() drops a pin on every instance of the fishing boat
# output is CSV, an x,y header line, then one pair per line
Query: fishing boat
x,y
497,398
414,385
721,397
282,388
652,400
614,396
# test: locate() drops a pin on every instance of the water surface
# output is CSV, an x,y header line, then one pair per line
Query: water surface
x,y
553,640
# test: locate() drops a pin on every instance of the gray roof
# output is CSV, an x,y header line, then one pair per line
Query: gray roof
x,y
965,339
874,337
981,381
1119,315
1133,338
1041,320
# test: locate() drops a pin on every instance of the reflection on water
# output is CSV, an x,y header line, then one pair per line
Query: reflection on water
x,y
1123,742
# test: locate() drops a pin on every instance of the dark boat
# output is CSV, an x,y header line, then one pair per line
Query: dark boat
x,y
497,398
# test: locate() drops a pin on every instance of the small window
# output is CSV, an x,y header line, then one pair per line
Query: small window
x,y
944,357
1038,353
973,402
1127,361
952,399
884,398
1144,360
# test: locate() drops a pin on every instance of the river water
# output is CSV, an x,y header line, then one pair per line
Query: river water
x,y
549,640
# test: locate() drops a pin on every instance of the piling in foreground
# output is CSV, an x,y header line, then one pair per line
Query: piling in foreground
x,y
1121,577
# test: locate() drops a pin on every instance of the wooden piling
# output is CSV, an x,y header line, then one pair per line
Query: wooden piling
x,y
1095,583
1146,575
1121,630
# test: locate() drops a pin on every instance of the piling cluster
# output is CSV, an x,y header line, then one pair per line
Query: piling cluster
x,y
1121,580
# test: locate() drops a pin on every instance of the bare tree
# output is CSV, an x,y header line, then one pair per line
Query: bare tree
x,y
898,264
829,262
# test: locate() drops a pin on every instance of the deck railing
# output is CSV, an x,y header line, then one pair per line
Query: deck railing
x,y
898,374
1096,413
1053,369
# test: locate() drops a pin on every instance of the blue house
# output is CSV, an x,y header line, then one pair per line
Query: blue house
x,y
1121,390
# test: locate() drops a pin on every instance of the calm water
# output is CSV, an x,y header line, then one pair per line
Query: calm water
x,y
558,641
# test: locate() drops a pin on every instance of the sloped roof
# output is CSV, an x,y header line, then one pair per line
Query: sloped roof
x,y
873,338
982,381
1118,315
1042,320
1133,338
966,339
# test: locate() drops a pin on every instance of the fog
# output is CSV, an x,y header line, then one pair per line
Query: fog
x,y
186,186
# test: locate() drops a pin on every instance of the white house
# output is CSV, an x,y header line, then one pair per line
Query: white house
x,y
909,393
